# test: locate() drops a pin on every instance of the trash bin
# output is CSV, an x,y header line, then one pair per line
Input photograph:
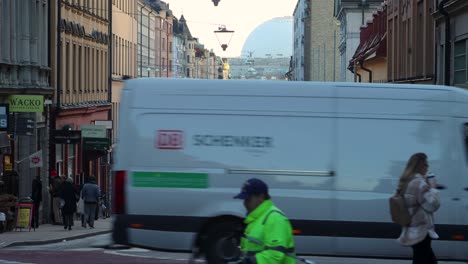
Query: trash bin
x,y
24,213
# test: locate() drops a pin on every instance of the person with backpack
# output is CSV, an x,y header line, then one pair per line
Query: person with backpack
x,y
421,200
268,237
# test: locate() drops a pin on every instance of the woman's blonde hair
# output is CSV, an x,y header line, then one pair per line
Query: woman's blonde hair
x,y
415,162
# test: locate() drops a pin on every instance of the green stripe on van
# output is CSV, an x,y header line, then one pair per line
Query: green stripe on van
x,y
170,180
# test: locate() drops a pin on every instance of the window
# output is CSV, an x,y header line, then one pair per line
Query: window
x,y
68,70
460,62
80,68
59,159
74,84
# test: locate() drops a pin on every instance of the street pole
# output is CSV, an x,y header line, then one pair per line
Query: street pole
x,y
141,38
324,63
318,64
149,43
54,111
109,96
334,55
312,67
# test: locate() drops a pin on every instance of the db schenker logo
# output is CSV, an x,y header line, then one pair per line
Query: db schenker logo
x,y
170,139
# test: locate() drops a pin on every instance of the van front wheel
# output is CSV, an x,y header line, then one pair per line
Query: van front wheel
x,y
222,242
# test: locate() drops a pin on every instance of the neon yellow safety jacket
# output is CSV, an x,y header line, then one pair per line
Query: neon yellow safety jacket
x,y
272,231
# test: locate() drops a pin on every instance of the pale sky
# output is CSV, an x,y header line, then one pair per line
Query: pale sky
x,y
242,16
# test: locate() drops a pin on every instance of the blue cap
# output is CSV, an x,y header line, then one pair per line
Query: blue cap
x,y
251,187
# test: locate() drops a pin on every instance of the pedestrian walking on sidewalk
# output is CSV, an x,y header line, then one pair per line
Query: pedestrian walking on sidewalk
x,y
55,188
69,208
90,195
423,201
37,198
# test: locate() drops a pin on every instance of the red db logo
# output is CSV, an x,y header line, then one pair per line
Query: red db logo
x,y
170,139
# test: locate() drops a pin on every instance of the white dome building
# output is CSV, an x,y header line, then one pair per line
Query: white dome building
x,y
273,38
267,51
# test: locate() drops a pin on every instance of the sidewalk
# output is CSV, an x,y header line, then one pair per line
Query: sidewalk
x,y
48,233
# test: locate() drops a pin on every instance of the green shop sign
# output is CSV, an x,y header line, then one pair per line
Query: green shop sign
x,y
170,180
100,144
26,103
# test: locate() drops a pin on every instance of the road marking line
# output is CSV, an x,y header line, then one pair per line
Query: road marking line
x,y
12,262
118,253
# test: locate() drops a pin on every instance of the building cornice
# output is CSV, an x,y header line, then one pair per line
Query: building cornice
x,y
451,7
9,90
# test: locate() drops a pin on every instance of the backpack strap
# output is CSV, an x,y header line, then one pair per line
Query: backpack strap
x,y
269,213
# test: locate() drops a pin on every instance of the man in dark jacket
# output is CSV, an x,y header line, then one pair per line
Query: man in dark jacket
x,y
69,208
37,198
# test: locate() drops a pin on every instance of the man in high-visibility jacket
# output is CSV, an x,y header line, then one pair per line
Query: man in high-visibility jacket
x,y
268,237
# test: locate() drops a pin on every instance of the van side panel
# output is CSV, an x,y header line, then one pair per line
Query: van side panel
x,y
193,164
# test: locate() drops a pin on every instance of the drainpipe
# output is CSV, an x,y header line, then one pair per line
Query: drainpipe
x,y
357,76
367,70
447,42
141,37
54,111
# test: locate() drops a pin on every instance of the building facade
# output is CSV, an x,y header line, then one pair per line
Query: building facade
x,y
454,46
165,32
178,50
370,59
155,37
81,79
146,42
24,77
410,41
315,55
301,62
352,14
124,53
324,37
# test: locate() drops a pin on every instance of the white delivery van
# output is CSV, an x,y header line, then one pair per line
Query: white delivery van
x,y
331,153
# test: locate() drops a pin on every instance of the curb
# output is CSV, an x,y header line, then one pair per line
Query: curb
x,y
57,240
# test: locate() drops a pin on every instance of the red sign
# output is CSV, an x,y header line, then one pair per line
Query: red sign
x,y
170,139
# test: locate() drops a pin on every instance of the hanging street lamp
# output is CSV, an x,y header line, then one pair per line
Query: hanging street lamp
x,y
224,36
215,2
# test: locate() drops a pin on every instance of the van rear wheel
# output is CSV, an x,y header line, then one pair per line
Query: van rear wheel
x,y
222,242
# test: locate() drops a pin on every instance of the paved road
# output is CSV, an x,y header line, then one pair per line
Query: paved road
x,y
90,250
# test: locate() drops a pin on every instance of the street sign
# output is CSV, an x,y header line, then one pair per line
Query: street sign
x,y
26,103
102,144
106,123
4,112
67,136
93,131
25,126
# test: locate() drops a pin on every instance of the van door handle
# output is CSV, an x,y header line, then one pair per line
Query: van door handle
x,y
440,187
466,189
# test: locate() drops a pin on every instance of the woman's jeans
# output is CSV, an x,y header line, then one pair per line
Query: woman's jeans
x,y
422,252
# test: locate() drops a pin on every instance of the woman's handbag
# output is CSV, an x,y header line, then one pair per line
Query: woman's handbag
x,y
80,206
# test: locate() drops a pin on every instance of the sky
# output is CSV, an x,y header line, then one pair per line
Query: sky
x,y
242,16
